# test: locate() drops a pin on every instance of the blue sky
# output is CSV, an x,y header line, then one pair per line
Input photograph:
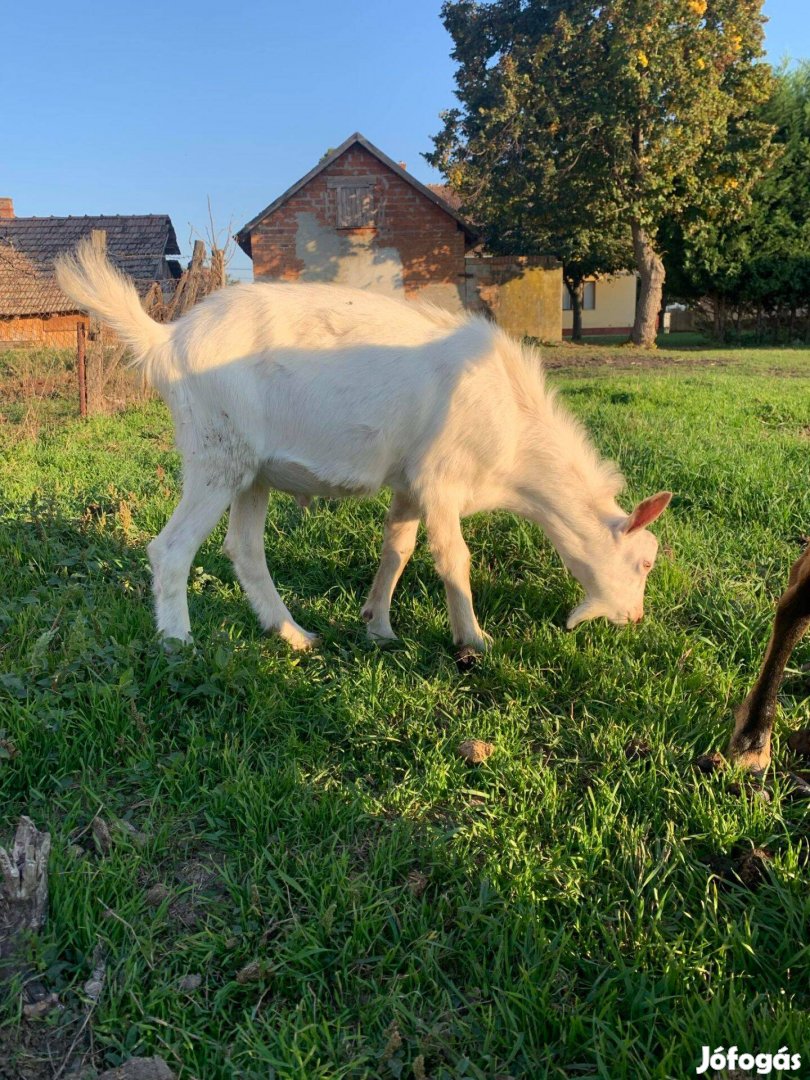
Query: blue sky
x,y
155,107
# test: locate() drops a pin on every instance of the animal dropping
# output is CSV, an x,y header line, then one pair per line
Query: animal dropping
x,y
710,763
475,751
799,742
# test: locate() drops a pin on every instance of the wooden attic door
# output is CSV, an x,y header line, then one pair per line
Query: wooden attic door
x,y
355,205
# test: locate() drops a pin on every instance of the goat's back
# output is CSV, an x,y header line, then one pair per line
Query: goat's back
x,y
244,320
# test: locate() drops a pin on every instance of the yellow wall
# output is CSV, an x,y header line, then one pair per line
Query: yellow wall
x,y
615,305
521,293
526,305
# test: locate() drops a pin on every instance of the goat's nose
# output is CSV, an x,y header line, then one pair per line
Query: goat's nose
x,y
638,616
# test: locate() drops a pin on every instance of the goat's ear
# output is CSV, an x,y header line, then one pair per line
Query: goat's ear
x,y
647,512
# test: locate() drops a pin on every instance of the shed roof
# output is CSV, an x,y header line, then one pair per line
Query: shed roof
x,y
243,236
26,290
136,243
132,239
446,193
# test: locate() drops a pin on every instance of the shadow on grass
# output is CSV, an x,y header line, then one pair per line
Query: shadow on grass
x,y
355,901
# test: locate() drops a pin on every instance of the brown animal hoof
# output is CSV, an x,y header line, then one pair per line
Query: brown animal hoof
x,y
754,761
801,784
746,867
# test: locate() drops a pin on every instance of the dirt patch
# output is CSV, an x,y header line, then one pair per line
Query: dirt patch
x,y
192,886
151,1068
628,359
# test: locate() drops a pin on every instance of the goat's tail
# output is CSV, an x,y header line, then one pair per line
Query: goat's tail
x,y
93,282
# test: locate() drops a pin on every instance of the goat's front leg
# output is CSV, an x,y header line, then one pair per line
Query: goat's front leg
x,y
452,558
170,553
751,741
244,545
399,540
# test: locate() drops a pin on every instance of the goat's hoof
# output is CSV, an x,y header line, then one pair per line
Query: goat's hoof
x,y
304,641
378,631
746,755
481,642
172,644
467,658
752,792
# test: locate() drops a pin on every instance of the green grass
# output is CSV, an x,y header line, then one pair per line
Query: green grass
x,y
549,914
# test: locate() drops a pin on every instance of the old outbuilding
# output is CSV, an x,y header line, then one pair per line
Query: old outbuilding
x,y
33,310
359,218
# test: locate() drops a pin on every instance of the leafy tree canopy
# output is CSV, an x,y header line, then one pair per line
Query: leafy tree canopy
x,y
760,258
584,123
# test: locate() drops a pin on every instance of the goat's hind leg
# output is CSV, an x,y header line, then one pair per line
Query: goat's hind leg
x,y
399,540
203,503
244,545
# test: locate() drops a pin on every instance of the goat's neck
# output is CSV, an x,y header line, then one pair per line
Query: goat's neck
x,y
578,524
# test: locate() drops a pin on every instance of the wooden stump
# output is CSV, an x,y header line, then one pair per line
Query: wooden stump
x,y
23,886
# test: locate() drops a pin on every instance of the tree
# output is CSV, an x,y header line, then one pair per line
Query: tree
x,y
757,265
513,158
617,113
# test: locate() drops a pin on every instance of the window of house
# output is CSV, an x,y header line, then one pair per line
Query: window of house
x,y
355,206
588,297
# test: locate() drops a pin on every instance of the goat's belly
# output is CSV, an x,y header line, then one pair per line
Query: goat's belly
x,y
297,479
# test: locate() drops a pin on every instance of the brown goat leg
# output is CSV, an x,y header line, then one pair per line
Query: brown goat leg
x,y
751,742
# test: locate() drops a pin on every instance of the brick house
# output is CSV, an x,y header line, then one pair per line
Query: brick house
x,y
33,310
359,218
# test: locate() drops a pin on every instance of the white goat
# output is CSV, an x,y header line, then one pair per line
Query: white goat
x,y
323,390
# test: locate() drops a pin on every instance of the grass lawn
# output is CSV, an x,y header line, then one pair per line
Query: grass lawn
x,y
355,900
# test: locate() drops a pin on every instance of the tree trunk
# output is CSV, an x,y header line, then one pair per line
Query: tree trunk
x,y
574,286
652,274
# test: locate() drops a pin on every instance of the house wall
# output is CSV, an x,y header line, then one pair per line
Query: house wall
x,y
615,309
54,331
415,248
521,293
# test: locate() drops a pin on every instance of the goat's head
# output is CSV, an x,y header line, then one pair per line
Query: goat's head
x,y
615,579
